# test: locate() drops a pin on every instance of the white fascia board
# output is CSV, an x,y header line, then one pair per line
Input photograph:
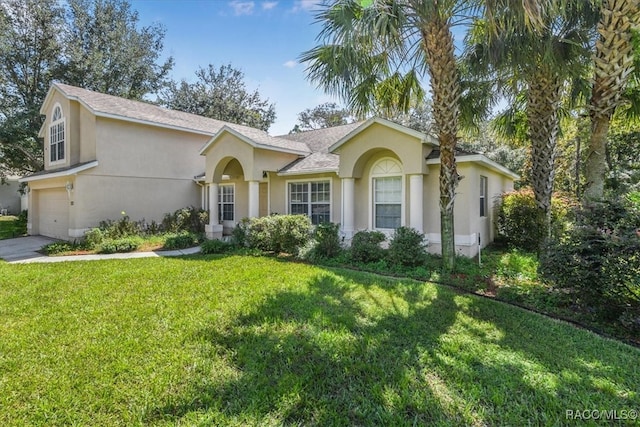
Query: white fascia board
x,y
384,122
484,160
309,172
248,140
67,172
123,118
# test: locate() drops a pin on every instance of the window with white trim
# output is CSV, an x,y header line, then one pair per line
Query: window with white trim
x,y
483,196
226,202
387,202
56,136
311,198
387,194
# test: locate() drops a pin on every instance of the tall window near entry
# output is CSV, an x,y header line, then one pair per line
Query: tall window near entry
x,y
311,198
56,136
483,195
387,201
226,202
387,194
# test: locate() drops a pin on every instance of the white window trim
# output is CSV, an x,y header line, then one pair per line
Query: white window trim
x,y
62,120
292,181
372,211
484,204
220,195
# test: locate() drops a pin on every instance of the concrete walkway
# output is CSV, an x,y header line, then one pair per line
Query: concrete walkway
x,y
23,250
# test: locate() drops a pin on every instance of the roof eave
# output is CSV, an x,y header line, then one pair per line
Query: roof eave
x,y
227,129
480,158
54,174
307,172
408,131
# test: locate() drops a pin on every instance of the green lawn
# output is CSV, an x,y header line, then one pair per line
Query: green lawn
x,y
257,341
10,227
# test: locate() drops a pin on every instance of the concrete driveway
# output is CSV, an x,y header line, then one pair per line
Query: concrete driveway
x,y
23,248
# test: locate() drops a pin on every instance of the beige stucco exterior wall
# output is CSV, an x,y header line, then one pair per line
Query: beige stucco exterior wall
x,y
356,153
254,161
143,170
80,132
468,223
71,136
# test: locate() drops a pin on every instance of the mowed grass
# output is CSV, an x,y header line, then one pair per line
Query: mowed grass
x,y
256,341
10,227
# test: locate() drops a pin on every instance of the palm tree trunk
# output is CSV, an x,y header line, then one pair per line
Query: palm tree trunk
x,y
542,114
596,164
613,65
441,61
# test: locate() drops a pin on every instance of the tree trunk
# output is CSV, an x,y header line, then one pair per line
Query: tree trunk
x,y
542,114
613,63
596,164
445,85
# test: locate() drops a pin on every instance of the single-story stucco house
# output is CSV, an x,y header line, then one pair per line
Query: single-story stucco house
x,y
105,155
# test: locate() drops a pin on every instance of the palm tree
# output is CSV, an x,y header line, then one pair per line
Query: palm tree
x,y
541,62
613,66
376,56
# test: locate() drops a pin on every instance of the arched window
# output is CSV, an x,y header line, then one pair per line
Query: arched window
x,y
56,136
387,194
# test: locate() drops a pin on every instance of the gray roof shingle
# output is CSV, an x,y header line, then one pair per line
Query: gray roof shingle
x,y
321,139
146,112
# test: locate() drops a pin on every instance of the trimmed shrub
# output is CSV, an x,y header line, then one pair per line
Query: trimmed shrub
x,y
327,240
124,244
598,261
407,247
520,224
181,240
365,246
216,247
278,233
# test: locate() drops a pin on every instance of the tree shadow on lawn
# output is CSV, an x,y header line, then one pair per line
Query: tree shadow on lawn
x,y
364,350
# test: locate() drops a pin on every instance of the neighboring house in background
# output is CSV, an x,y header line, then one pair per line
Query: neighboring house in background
x,y
10,197
105,155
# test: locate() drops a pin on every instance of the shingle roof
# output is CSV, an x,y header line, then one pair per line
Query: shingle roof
x,y
313,163
321,139
146,112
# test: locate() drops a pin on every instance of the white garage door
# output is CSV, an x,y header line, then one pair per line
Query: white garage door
x,y
54,213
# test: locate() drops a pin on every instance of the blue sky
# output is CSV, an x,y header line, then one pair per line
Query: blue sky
x,y
263,38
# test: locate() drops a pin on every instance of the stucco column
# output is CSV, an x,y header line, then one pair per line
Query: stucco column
x,y
416,202
254,199
348,203
214,229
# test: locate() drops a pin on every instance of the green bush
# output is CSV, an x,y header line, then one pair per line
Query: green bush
x,y
121,245
216,247
186,219
94,237
407,247
124,227
520,224
327,240
60,247
239,233
278,233
365,246
181,240
598,261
